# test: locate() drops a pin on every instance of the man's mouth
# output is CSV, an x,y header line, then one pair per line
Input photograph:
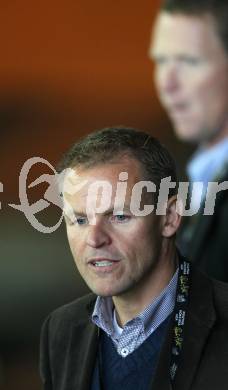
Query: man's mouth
x,y
178,108
102,263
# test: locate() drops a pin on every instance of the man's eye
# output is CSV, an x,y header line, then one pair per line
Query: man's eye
x,y
159,60
81,220
190,60
121,217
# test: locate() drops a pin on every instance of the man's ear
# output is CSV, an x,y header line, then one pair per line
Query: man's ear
x,y
172,219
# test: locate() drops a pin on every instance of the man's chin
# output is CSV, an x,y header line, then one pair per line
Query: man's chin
x,y
103,292
107,291
186,134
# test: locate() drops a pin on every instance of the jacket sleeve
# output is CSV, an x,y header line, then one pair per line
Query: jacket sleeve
x,y
45,366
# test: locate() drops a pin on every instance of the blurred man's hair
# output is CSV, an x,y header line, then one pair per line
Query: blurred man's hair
x,y
218,9
110,144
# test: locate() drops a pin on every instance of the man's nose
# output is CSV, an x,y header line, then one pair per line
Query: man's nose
x,y
98,235
169,79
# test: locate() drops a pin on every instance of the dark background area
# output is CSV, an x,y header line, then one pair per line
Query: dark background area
x,y
66,68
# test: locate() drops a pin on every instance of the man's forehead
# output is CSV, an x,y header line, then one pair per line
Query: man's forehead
x,y
117,170
197,30
105,179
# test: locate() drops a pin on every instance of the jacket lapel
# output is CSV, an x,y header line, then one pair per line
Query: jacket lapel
x,y
200,224
162,378
201,317
199,322
82,354
87,352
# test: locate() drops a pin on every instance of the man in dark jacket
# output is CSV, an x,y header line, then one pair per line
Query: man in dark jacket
x,y
190,51
152,321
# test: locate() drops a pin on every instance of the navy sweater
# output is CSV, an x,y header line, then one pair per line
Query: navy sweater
x,y
134,372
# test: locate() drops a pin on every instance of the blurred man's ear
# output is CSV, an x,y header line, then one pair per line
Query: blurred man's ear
x,y
172,219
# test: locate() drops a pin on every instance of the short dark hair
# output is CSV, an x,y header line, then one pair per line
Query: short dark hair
x,y
218,9
110,144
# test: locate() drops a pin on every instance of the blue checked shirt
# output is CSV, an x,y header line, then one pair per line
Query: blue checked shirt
x,y
135,331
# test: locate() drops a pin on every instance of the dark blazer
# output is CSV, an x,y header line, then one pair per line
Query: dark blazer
x,y
69,343
204,238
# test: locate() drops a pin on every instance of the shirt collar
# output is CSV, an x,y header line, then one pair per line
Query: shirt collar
x,y
151,316
206,163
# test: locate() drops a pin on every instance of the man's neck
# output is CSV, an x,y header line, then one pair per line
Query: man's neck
x,y
220,135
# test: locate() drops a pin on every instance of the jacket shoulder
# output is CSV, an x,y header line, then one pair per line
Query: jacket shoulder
x,y
65,336
73,313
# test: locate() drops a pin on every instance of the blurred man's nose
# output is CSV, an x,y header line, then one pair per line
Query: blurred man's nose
x,y
98,235
168,79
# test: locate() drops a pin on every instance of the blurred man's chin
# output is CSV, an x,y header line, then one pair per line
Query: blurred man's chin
x,y
186,134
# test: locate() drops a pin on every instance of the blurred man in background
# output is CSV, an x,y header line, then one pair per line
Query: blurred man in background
x,y
190,50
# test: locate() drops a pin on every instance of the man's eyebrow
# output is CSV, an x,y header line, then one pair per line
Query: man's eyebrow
x,y
74,212
110,210
120,207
